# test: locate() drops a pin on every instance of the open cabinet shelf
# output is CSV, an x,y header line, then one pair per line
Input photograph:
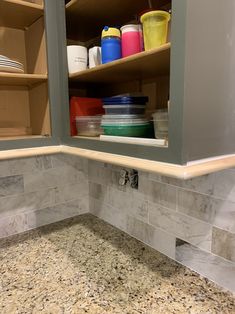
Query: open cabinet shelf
x,y
18,79
146,73
18,13
24,101
146,64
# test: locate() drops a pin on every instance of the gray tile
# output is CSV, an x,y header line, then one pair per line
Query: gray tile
x,y
98,164
52,178
223,244
114,216
206,208
26,165
208,265
156,177
115,167
56,213
139,206
184,227
71,192
11,185
64,160
46,162
144,174
120,199
100,175
203,184
12,205
154,237
5,169
159,193
224,186
99,192
13,225
220,184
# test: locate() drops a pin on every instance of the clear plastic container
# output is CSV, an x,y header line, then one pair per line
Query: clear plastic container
x,y
160,119
155,26
161,135
161,114
89,125
127,109
123,119
126,125
141,130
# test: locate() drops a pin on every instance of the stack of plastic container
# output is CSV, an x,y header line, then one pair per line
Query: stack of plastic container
x,y
124,116
85,116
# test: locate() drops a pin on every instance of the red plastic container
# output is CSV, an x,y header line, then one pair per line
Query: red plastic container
x,y
82,106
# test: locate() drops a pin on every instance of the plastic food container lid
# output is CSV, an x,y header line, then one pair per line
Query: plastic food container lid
x,y
130,28
124,120
160,15
125,100
125,123
110,31
88,118
123,117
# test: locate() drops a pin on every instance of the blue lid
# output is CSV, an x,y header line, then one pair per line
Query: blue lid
x,y
125,100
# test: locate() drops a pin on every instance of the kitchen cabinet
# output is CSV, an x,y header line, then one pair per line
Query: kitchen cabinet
x,y
195,69
25,107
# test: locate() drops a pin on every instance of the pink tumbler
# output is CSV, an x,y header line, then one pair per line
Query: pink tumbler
x,y
131,39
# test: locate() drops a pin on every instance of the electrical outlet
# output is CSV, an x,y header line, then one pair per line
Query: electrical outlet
x,y
123,179
131,176
134,179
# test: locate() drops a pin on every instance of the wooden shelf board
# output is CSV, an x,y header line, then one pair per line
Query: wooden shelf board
x,y
19,79
146,64
22,137
18,13
85,19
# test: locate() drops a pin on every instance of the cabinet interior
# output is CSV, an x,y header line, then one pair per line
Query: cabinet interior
x,y
24,103
147,72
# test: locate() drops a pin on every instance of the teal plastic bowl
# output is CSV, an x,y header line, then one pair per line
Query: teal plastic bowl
x,y
142,130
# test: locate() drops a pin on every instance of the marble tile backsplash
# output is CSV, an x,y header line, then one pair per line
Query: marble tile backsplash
x,y
40,190
198,213
190,221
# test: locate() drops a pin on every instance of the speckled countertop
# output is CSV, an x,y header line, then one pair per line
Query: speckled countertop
x,y
84,265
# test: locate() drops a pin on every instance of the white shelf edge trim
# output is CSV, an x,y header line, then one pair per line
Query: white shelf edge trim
x,y
188,171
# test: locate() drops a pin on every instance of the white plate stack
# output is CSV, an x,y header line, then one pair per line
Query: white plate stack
x,y
8,65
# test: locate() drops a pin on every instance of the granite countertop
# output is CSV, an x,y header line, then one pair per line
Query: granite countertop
x,y
83,265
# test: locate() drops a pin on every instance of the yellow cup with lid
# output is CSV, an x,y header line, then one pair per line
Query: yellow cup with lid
x,y
155,28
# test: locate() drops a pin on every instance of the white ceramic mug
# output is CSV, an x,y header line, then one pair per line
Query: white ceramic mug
x,y
77,58
94,56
